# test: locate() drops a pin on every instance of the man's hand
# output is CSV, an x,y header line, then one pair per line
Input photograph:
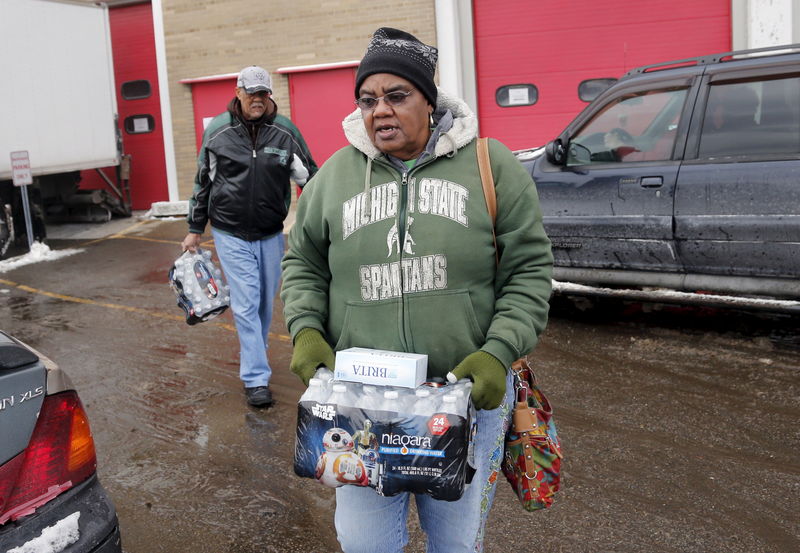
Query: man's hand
x,y
310,352
191,242
488,376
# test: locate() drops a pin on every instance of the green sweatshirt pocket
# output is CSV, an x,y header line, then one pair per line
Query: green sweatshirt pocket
x,y
369,325
443,326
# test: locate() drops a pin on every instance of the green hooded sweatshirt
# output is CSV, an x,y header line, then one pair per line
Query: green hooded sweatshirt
x,y
386,257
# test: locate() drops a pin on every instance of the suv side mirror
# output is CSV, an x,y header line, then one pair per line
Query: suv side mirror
x,y
590,89
555,152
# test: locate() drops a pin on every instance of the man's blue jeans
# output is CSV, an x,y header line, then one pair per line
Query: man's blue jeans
x,y
253,271
367,522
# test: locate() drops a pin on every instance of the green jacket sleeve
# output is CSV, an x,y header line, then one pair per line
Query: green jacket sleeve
x,y
523,281
305,272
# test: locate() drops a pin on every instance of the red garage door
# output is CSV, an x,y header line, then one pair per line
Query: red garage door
x,y
555,44
139,106
210,97
321,96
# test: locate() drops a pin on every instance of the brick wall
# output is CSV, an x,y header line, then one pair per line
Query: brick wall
x,y
211,37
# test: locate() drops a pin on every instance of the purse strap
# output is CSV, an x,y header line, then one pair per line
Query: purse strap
x,y
524,378
487,180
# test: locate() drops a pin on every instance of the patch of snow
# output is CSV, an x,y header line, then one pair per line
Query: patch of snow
x,y
55,538
201,438
39,252
675,296
532,153
151,217
166,209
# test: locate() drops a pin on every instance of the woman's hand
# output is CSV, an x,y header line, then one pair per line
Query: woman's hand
x,y
311,351
488,376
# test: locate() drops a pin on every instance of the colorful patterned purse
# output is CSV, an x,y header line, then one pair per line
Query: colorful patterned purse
x,y
532,458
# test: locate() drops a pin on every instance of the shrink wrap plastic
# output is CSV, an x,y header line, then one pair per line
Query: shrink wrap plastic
x,y
199,286
392,439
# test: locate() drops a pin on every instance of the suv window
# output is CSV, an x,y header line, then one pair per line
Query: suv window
x,y
760,117
633,127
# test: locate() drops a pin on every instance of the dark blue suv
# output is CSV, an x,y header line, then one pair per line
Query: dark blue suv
x,y
683,175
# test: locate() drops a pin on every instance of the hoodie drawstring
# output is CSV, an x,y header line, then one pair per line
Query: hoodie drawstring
x,y
367,175
452,141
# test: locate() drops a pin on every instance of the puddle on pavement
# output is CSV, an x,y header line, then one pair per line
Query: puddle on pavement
x,y
189,453
160,275
672,420
780,329
683,412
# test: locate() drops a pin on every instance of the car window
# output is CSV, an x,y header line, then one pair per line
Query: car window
x,y
759,117
634,127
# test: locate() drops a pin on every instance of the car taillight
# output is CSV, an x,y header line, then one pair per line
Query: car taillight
x,y
60,455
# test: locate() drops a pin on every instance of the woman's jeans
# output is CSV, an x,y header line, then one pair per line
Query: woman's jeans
x,y
253,271
367,522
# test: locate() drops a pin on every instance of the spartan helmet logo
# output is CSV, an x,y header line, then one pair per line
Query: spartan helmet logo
x,y
393,239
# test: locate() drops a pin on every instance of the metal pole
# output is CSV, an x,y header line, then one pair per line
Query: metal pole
x,y
27,208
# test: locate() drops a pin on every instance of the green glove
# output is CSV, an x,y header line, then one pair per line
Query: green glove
x,y
488,376
310,352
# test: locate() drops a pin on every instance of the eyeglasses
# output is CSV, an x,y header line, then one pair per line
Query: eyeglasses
x,y
394,99
260,94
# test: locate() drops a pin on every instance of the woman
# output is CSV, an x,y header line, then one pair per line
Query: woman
x,y
392,249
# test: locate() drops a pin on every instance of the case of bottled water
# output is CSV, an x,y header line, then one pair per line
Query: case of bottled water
x,y
199,286
391,438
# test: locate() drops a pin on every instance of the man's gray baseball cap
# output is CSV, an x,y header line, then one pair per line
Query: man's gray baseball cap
x,y
254,79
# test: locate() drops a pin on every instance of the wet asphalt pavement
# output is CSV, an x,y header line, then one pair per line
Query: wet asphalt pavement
x,y
679,426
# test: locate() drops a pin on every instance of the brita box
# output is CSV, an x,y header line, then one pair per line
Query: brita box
x,y
381,367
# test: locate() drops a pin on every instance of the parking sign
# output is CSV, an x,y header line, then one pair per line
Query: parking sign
x,y
21,168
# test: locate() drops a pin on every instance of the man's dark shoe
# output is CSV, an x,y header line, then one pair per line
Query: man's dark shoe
x,y
259,396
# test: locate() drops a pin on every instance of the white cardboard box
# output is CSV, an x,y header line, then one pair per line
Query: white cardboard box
x,y
381,367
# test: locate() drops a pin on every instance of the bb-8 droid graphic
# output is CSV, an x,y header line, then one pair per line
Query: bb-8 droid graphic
x,y
338,465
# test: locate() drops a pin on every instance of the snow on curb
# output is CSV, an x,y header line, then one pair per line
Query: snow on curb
x,y
39,252
673,296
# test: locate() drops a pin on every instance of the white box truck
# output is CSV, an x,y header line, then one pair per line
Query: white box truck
x,y
57,99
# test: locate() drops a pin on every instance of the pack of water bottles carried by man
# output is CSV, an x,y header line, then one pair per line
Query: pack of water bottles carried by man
x,y
376,422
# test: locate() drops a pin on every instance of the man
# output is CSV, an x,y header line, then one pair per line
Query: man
x,y
242,187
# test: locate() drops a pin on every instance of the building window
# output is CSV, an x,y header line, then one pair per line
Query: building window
x,y
136,90
513,95
139,124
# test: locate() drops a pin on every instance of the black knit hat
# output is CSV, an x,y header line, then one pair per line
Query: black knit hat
x,y
399,53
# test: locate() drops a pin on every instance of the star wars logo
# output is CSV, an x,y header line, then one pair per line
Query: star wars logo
x,y
325,412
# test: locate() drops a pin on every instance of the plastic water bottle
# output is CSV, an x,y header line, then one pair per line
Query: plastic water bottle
x,y
341,396
390,401
316,391
424,404
437,390
370,399
324,374
450,404
462,398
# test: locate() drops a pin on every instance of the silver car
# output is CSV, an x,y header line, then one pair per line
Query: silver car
x,y
50,497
